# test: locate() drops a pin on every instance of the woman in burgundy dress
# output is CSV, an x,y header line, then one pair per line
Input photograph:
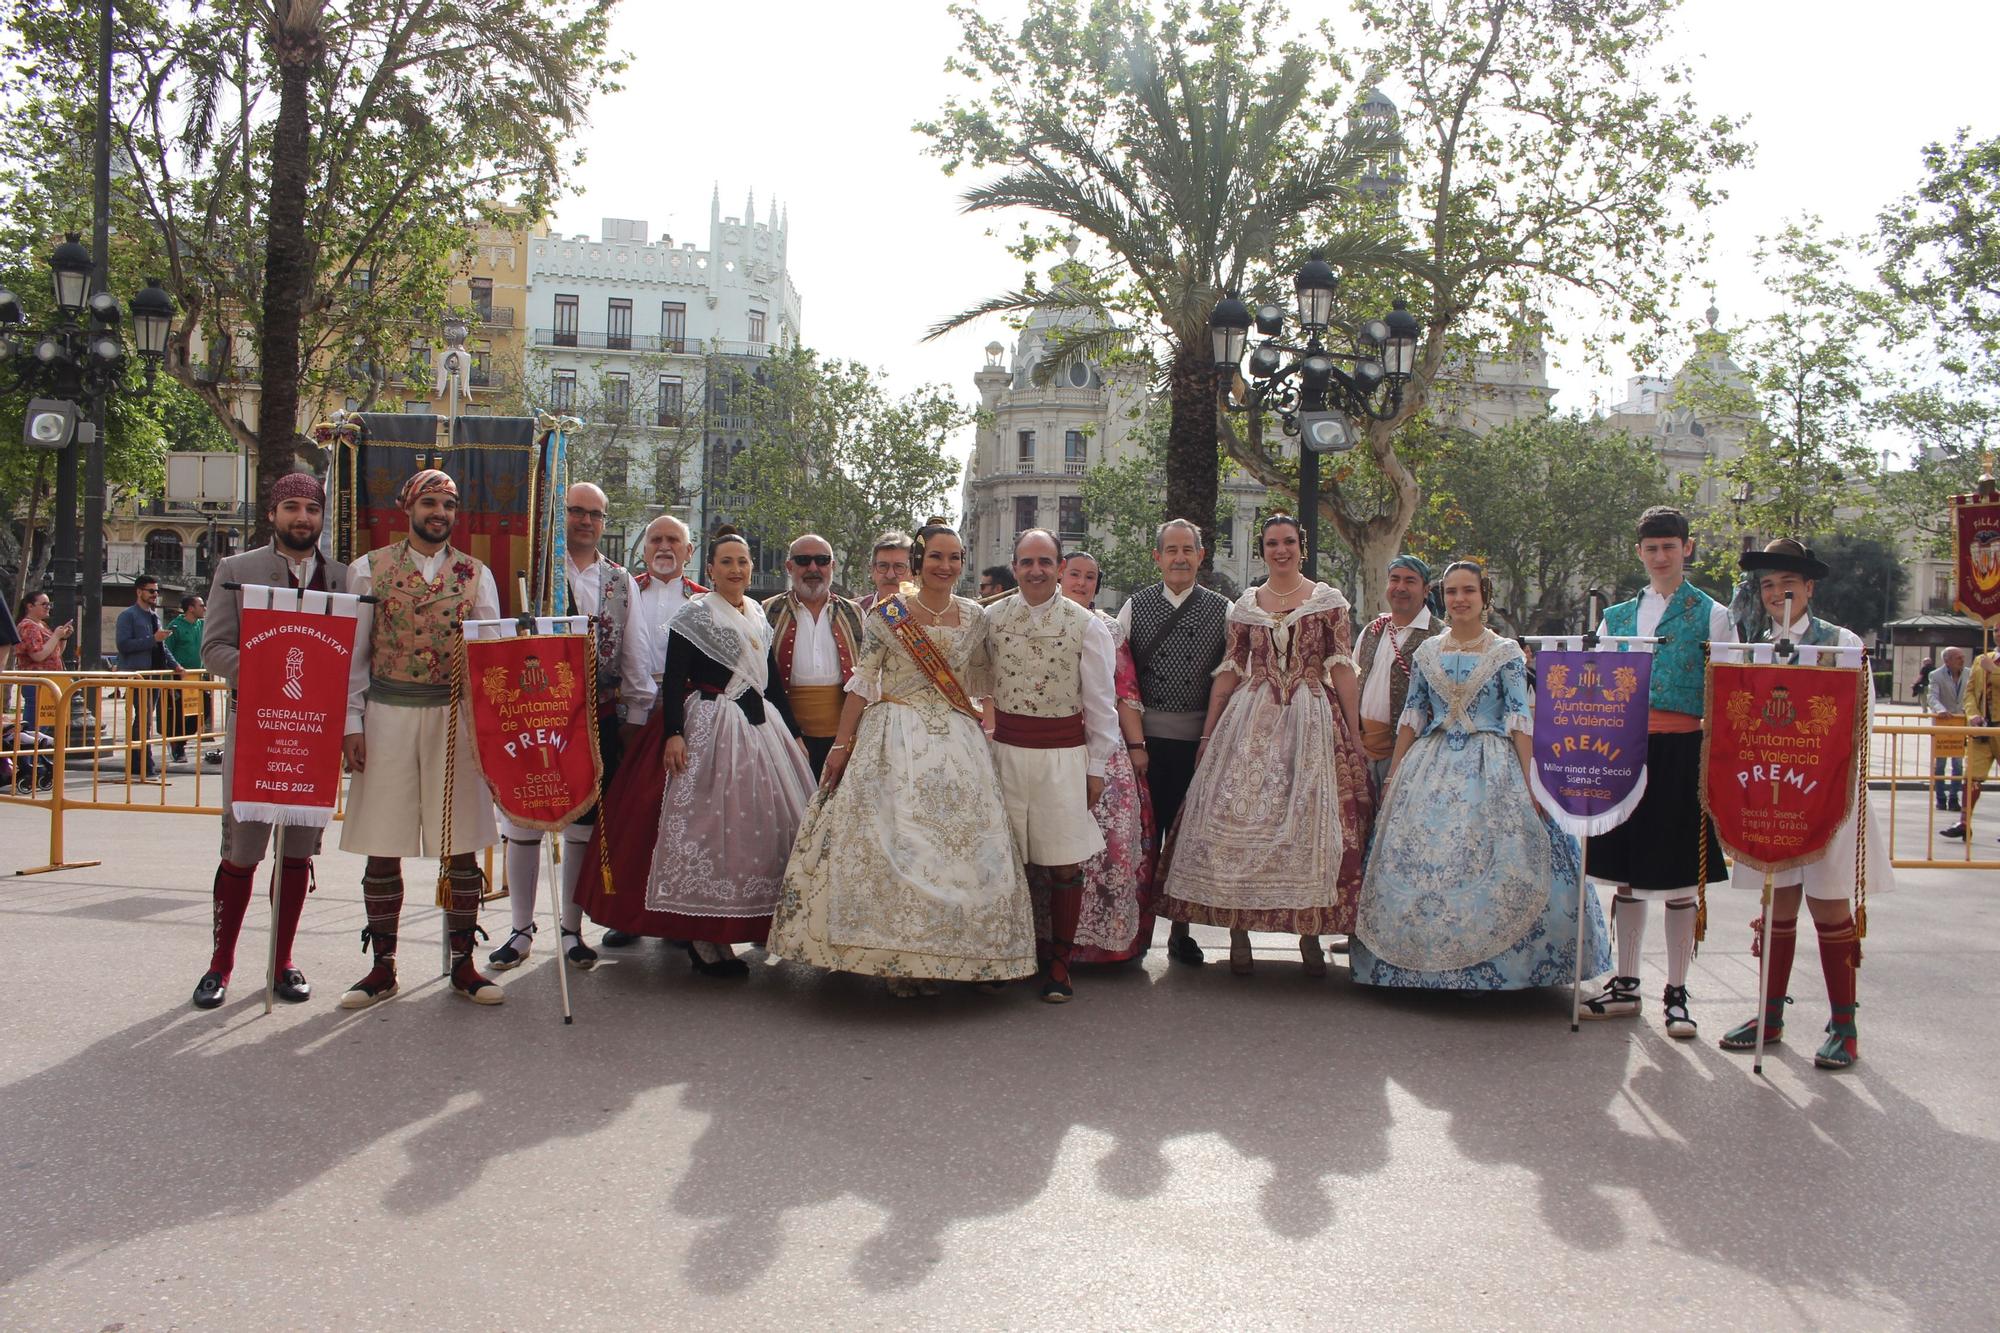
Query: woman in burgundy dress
x,y
1277,818
702,818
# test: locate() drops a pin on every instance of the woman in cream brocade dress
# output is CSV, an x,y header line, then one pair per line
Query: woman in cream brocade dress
x,y
906,869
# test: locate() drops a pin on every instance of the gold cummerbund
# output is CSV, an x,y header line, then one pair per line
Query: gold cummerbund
x,y
817,707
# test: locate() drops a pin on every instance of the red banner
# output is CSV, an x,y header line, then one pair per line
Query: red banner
x,y
1976,525
291,709
1777,758
533,703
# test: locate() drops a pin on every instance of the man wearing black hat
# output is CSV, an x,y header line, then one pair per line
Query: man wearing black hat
x,y
1784,574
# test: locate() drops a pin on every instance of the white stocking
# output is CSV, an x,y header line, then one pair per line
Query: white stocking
x,y
1628,923
524,867
1680,938
575,839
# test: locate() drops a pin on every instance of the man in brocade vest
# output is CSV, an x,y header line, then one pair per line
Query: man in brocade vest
x,y
1657,853
601,589
412,775
1385,675
1175,630
815,633
292,560
1053,718
1782,576
660,590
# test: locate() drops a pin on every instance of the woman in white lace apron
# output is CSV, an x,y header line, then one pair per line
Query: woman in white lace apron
x,y
737,776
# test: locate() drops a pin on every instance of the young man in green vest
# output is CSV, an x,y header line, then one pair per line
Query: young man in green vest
x,y
1657,853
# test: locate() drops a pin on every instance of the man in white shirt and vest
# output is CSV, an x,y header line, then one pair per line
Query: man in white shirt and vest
x,y
1053,718
1175,630
815,634
599,588
1384,652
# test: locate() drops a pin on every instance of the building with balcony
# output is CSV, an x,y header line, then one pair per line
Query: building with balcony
x,y
1036,441
649,342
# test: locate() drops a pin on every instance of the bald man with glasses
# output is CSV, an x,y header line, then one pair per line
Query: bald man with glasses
x,y
815,633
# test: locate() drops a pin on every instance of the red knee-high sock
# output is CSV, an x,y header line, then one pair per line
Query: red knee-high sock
x,y
1065,909
382,899
1837,946
294,883
232,900
1784,945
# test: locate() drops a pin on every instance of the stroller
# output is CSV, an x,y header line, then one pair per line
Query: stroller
x,y
27,759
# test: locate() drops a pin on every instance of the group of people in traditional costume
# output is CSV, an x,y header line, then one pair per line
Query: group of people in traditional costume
x,y
927,788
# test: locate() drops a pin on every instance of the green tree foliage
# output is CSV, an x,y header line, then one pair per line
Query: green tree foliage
x,y
1547,505
1121,498
828,449
1866,585
1940,257
1556,161
307,172
1198,148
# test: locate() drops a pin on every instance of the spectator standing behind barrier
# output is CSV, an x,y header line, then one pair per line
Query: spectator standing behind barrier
x,y
142,646
1945,697
41,647
184,651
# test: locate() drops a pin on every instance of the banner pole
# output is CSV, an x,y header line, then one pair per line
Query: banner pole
x,y
1583,889
1763,978
556,910
1591,614
271,961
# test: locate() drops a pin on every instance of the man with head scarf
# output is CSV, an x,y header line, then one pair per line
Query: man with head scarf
x,y
400,742
1384,652
297,510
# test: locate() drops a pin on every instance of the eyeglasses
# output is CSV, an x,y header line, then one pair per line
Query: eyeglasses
x,y
594,515
816,559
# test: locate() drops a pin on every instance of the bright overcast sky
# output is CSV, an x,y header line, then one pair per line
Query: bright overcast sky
x,y
812,103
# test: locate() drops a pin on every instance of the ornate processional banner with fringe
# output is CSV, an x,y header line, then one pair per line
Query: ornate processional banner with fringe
x,y
291,704
533,704
1976,533
494,460
1590,736
1779,758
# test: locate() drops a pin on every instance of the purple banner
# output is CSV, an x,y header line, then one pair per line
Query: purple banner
x,y
1590,737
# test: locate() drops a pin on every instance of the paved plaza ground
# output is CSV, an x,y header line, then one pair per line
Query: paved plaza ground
x,y
1178,1148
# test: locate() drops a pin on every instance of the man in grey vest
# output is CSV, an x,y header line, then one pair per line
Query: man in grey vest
x,y
1175,630
1945,697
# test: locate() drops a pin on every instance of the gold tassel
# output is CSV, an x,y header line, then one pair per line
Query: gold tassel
x,y
444,887
604,871
1700,910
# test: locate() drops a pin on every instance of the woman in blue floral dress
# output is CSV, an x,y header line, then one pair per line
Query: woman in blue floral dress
x,y
1469,885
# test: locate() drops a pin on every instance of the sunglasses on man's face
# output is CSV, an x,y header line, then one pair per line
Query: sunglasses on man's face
x,y
820,560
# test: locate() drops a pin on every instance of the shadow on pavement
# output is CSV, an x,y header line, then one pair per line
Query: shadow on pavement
x,y
818,1088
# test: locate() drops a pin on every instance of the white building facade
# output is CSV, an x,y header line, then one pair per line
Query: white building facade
x,y
642,338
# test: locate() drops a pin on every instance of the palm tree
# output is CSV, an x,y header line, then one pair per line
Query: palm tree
x,y
1197,171
296,31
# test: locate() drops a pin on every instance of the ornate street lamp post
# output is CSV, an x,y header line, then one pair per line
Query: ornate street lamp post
x,y
70,368
1312,395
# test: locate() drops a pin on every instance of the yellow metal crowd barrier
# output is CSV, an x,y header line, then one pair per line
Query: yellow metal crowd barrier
x,y
152,741
120,740
1905,754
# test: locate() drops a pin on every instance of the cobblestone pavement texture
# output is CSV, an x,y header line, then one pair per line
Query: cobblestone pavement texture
x,y
1177,1148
